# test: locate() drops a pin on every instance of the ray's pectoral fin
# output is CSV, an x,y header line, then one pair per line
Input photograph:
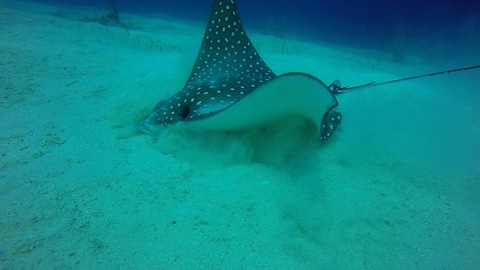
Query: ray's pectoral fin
x,y
297,95
331,121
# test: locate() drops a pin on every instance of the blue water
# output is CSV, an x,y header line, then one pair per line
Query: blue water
x,y
395,188
372,24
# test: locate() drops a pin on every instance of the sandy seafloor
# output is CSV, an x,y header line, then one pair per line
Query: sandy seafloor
x,y
397,188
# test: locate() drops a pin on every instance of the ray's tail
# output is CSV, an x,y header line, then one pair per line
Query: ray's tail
x,y
337,89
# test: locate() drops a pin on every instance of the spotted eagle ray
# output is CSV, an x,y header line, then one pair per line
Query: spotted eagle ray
x,y
232,88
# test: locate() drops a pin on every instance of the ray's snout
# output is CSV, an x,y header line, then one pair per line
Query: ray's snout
x,y
146,128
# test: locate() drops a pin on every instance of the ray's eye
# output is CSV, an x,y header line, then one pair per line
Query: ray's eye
x,y
184,112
